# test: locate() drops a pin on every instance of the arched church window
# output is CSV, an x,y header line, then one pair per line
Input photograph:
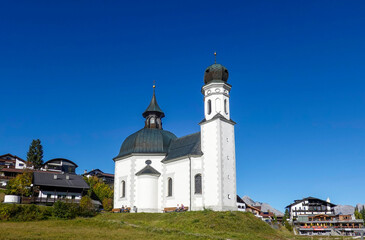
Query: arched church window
x,y
123,189
198,183
169,187
209,107
225,106
152,120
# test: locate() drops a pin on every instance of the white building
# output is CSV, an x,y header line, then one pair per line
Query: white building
x,y
310,206
155,170
10,166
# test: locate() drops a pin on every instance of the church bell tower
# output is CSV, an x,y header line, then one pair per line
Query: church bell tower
x,y
218,142
153,114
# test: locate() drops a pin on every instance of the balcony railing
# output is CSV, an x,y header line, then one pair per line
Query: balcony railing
x,y
29,200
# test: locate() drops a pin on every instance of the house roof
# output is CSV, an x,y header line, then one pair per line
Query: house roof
x,y
310,198
239,200
255,208
98,172
60,159
47,179
189,145
11,155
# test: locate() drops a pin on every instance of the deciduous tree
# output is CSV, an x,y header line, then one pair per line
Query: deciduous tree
x,y
20,185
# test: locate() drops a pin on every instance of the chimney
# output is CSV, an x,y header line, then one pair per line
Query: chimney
x,y
55,176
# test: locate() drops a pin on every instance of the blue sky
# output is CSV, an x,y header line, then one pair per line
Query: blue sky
x,y
78,76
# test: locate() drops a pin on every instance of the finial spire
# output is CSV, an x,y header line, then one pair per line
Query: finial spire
x,y
215,57
154,86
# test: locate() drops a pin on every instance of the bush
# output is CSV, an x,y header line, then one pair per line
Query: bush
x,y
108,204
87,208
31,212
98,189
65,210
14,212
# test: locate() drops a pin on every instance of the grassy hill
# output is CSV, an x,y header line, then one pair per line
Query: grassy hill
x,y
188,225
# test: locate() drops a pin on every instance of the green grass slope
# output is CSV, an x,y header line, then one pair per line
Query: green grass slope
x,y
187,225
205,224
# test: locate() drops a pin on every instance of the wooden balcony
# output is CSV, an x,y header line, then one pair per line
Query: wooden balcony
x,y
38,200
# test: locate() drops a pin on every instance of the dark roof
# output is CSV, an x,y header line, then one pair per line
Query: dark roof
x,y
239,200
12,156
146,140
189,145
47,179
153,107
60,159
148,170
310,198
218,116
98,172
215,72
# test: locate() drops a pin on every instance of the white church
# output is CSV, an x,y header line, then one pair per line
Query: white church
x,y
155,170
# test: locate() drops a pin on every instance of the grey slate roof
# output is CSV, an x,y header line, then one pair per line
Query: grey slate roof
x,y
215,72
218,116
146,140
184,146
153,107
148,170
47,179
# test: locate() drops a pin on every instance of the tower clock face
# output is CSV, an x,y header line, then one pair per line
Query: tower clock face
x,y
217,90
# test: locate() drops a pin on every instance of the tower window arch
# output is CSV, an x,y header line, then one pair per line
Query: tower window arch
x,y
198,183
123,189
169,187
209,107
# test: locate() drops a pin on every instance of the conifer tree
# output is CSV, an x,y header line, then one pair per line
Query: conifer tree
x,y
357,213
35,154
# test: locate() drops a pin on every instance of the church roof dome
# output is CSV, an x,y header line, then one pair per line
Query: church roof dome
x,y
215,72
146,140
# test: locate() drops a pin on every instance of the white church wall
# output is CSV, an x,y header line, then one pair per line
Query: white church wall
x,y
147,193
178,171
228,166
211,168
140,163
125,170
122,172
196,198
